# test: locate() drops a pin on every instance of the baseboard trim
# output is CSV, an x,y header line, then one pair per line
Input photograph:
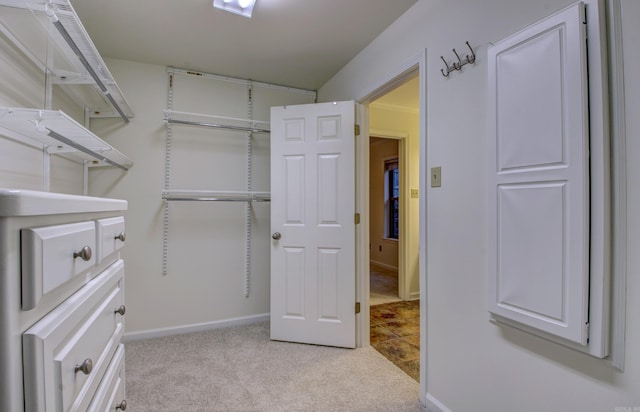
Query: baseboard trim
x,y
434,405
198,327
414,296
383,265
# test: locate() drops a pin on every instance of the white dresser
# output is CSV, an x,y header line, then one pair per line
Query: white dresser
x,y
61,302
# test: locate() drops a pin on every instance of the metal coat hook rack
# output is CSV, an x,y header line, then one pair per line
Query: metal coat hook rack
x,y
469,59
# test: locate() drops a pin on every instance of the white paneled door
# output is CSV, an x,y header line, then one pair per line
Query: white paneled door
x,y
539,177
312,224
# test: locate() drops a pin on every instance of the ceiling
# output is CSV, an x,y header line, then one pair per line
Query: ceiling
x,y
296,43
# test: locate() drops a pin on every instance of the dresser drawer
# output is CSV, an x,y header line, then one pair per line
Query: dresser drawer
x,y
110,396
111,236
67,352
54,255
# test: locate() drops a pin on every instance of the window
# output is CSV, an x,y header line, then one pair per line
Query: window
x,y
391,198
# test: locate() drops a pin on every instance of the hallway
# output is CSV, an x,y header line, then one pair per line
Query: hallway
x,y
394,324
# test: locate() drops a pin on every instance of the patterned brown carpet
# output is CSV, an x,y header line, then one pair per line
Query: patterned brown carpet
x,y
395,333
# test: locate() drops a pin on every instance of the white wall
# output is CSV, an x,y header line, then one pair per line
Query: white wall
x,y
472,364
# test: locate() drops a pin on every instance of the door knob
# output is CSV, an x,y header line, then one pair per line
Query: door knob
x,y
121,310
84,253
86,367
276,236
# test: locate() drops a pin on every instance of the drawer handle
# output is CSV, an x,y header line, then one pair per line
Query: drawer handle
x,y
121,237
86,367
121,310
84,253
122,405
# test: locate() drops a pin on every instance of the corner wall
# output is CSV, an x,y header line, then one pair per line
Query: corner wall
x,y
472,364
204,284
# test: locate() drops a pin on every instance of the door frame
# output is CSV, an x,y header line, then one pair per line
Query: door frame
x,y
375,90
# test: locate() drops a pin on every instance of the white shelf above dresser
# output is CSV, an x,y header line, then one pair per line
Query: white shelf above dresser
x,y
59,134
18,202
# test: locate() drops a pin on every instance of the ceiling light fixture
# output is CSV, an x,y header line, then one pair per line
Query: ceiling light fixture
x,y
241,7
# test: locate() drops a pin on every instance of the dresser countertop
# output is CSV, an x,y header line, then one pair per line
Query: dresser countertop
x,y
18,202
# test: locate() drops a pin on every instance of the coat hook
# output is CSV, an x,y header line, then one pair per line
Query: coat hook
x,y
468,59
458,65
447,66
471,59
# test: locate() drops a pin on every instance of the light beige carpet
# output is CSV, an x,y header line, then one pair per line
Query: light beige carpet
x,y
240,369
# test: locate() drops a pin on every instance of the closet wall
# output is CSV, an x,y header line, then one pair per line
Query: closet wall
x,y
206,248
204,284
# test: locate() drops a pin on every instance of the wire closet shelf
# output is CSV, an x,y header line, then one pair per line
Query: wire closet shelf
x,y
71,59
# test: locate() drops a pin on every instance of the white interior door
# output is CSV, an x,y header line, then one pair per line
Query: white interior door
x,y
539,177
312,222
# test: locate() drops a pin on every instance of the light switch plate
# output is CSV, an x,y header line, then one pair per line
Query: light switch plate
x,y
415,194
436,176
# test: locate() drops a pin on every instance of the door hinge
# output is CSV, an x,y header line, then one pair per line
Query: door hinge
x,y
587,329
356,130
357,307
357,218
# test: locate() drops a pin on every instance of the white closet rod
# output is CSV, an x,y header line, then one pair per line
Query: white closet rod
x,y
215,196
220,122
220,126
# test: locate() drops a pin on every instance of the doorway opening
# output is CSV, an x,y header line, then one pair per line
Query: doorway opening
x,y
394,172
384,219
